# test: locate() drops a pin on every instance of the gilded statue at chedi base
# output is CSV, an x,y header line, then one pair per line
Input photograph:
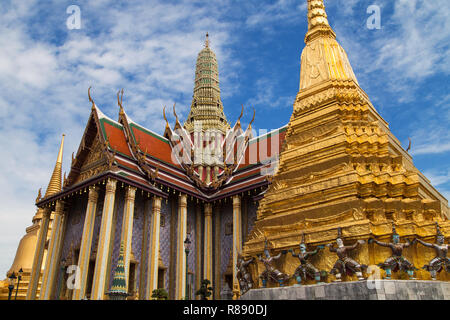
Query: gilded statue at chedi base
x,y
396,262
440,262
345,264
306,270
271,273
243,275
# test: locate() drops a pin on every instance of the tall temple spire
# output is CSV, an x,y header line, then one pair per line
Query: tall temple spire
x,y
55,184
323,58
207,108
207,41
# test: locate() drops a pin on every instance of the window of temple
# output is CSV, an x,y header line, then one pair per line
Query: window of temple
x,y
90,278
132,278
161,276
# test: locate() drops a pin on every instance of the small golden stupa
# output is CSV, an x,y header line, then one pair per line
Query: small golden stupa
x,y
27,245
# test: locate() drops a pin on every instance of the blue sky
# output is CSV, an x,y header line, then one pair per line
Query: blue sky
x,y
149,48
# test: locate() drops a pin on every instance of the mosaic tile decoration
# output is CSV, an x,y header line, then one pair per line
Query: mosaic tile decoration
x,y
97,225
74,226
119,206
191,220
146,218
227,240
136,242
74,229
252,209
164,240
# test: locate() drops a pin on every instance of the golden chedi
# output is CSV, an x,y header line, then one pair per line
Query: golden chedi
x,y
340,166
27,245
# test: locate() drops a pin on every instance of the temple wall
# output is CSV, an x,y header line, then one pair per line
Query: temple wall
x,y
138,231
191,220
75,222
75,215
226,239
118,216
164,241
252,209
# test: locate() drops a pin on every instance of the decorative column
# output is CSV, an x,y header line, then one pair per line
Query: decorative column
x,y
217,235
38,255
153,249
181,255
208,174
198,247
104,250
144,248
237,240
208,246
51,265
127,228
86,243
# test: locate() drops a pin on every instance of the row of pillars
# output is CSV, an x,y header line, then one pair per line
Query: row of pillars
x,y
104,250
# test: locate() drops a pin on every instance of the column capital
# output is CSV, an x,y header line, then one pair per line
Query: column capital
x,y
131,193
93,194
208,209
236,200
59,207
111,185
157,203
46,212
182,200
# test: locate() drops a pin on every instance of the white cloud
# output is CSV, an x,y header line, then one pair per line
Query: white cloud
x,y
266,97
284,11
438,178
430,138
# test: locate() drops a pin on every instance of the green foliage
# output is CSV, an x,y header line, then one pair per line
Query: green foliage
x,y
160,294
205,290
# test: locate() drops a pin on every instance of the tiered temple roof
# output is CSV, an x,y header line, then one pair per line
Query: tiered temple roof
x,y
160,163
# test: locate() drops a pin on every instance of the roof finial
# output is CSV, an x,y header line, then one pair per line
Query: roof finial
x,y
253,119
90,98
174,112
54,185
165,118
240,116
119,101
207,41
39,196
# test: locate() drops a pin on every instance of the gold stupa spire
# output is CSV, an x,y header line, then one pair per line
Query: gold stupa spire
x,y
323,58
341,171
317,16
55,184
